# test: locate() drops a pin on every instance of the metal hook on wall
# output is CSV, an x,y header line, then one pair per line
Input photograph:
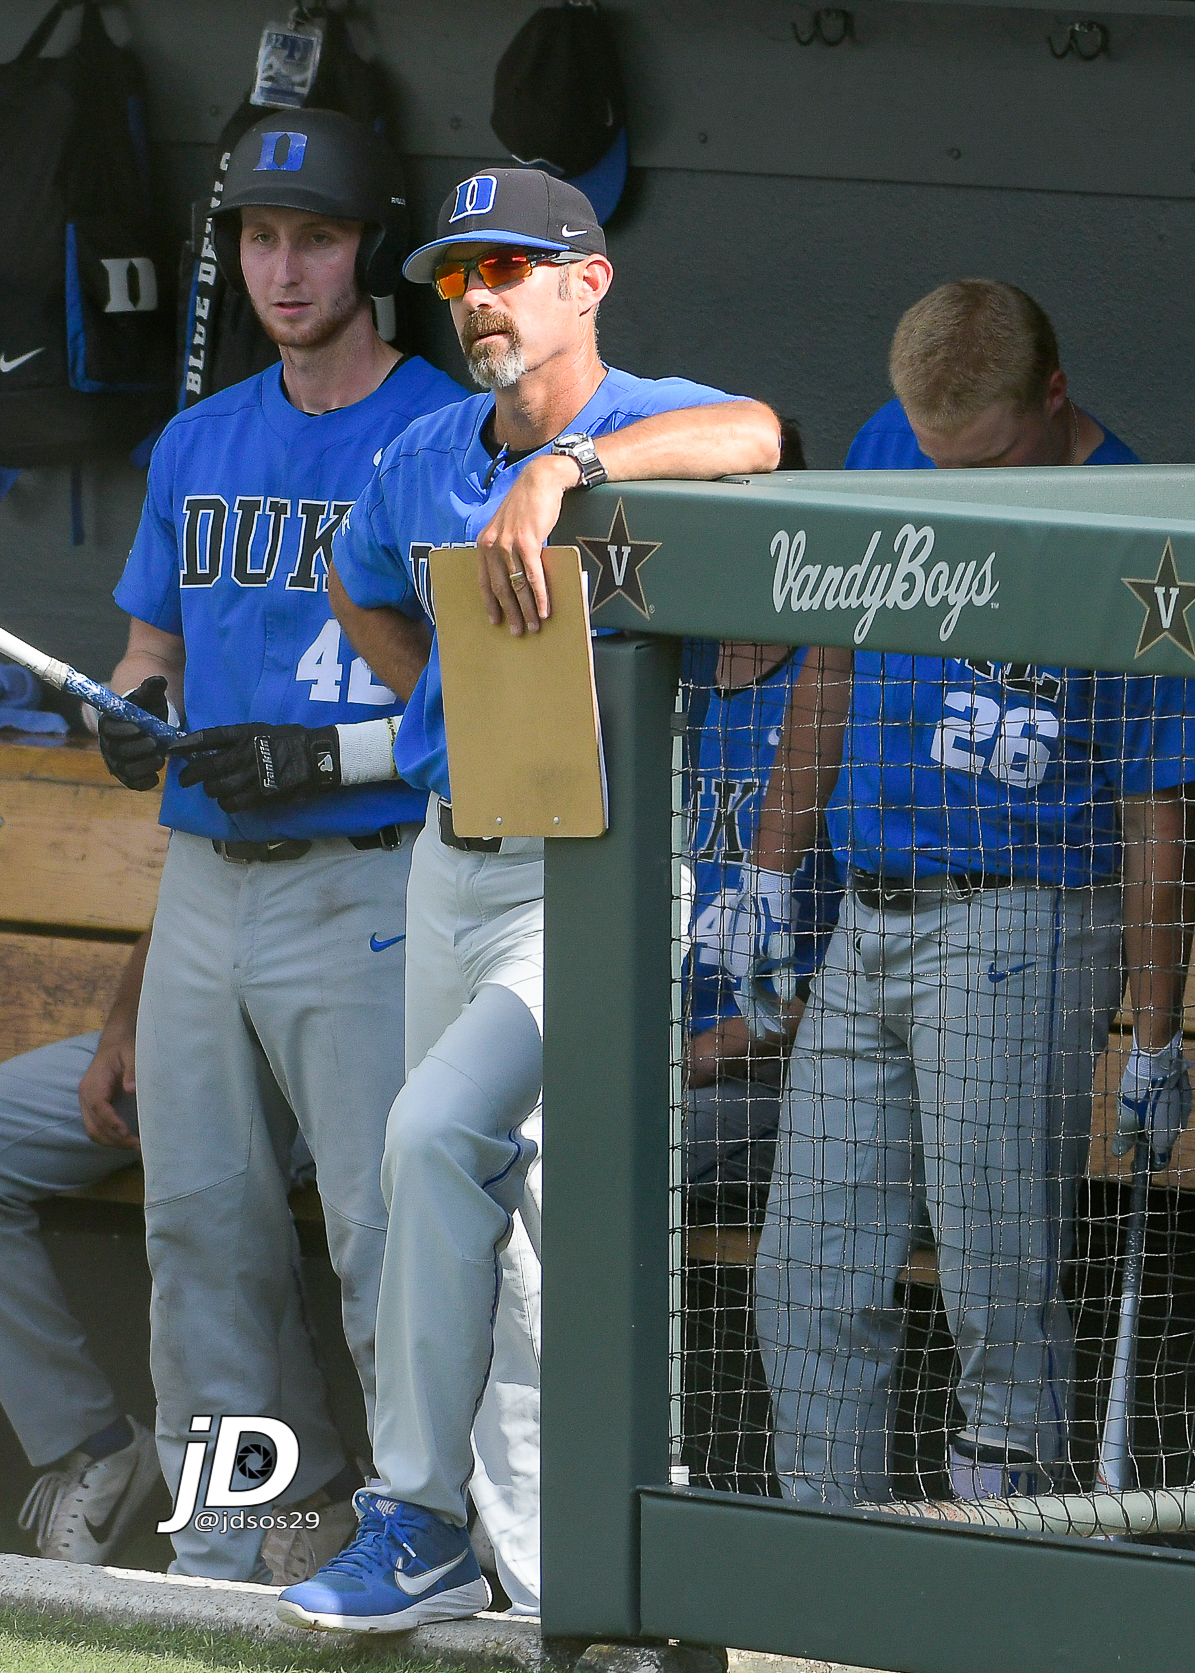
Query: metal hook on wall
x,y
831,25
1086,40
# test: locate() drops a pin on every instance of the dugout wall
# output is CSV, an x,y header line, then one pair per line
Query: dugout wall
x,y
1049,554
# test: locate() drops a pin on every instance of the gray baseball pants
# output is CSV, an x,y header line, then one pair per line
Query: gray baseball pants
x,y
264,1005
52,1391
458,1312
964,1031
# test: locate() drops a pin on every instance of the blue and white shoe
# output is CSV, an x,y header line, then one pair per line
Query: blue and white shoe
x,y
989,1472
404,1568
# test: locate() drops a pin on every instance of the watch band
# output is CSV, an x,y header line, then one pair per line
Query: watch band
x,y
579,447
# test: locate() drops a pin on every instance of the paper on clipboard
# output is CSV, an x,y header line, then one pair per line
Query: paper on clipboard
x,y
524,734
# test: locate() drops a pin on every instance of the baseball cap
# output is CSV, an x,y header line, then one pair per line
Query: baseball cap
x,y
521,206
559,103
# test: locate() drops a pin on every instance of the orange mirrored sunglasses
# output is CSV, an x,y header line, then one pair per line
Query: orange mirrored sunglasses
x,y
503,267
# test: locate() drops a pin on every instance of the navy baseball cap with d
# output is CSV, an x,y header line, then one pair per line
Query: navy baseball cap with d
x,y
523,207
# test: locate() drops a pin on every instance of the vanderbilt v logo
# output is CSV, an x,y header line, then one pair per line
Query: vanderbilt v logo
x,y
620,557
619,560
1166,600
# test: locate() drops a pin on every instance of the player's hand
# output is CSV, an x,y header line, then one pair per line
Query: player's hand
x,y
254,765
512,543
760,949
131,755
1154,1101
110,1074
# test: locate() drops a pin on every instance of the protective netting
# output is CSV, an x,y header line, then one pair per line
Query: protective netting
x,y
921,1259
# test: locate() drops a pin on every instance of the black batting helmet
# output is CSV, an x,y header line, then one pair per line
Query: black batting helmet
x,y
327,163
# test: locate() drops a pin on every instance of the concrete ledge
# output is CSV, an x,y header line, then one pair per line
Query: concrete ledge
x,y
122,1597
127,1597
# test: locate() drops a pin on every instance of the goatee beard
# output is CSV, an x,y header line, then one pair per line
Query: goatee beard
x,y
494,362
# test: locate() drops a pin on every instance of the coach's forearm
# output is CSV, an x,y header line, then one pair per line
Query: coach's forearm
x,y
694,442
395,647
1152,831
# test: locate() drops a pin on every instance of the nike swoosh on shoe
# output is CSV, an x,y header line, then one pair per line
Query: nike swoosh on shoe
x,y
415,1585
103,1533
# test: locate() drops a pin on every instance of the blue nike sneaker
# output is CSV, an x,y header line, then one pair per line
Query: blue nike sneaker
x,y
404,1568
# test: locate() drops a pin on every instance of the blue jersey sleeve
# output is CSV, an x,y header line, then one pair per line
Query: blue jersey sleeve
x,y
1145,731
148,588
367,556
649,396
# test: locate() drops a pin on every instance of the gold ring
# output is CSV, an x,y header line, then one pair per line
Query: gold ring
x,y
517,575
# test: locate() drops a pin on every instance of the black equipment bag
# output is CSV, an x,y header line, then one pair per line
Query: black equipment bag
x,y
85,352
221,341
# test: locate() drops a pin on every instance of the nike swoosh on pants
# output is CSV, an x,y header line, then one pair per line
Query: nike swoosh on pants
x,y
11,365
376,946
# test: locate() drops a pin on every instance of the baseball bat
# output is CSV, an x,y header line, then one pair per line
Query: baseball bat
x,y
1116,1471
65,678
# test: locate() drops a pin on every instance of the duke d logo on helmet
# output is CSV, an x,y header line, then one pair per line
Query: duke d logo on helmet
x,y
286,158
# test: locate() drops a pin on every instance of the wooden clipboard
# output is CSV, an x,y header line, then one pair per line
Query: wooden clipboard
x,y
524,736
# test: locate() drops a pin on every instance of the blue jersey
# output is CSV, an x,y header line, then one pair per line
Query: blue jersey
x,y
245,493
437,486
963,765
738,743
957,765
887,443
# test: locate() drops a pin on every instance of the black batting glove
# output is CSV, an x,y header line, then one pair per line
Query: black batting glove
x,y
131,755
256,766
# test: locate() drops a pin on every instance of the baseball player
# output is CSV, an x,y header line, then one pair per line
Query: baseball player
x,y
67,1119
274,980
991,819
521,258
733,1078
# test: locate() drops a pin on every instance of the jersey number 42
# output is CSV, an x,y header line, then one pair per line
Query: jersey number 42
x,y
320,665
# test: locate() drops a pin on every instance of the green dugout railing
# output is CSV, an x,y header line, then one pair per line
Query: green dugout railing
x,y
1092,568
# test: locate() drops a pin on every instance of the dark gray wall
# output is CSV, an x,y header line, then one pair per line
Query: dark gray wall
x,y
786,205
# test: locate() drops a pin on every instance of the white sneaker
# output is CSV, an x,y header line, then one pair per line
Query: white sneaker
x,y
83,1509
294,1554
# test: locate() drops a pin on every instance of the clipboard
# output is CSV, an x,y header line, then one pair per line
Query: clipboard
x,y
521,715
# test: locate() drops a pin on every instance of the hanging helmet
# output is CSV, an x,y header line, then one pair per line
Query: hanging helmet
x,y
326,163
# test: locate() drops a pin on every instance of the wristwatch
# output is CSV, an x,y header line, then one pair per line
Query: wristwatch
x,y
579,446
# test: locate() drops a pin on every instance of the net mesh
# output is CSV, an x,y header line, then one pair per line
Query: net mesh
x,y
914,1263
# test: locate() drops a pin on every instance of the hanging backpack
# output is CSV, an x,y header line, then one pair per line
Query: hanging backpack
x,y
85,352
221,341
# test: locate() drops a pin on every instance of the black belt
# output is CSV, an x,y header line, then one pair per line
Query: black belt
x,y
468,845
294,848
880,895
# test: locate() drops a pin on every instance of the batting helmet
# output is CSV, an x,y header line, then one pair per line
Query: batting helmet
x,y
326,163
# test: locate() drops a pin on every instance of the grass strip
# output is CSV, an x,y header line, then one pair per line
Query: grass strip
x,y
32,1642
